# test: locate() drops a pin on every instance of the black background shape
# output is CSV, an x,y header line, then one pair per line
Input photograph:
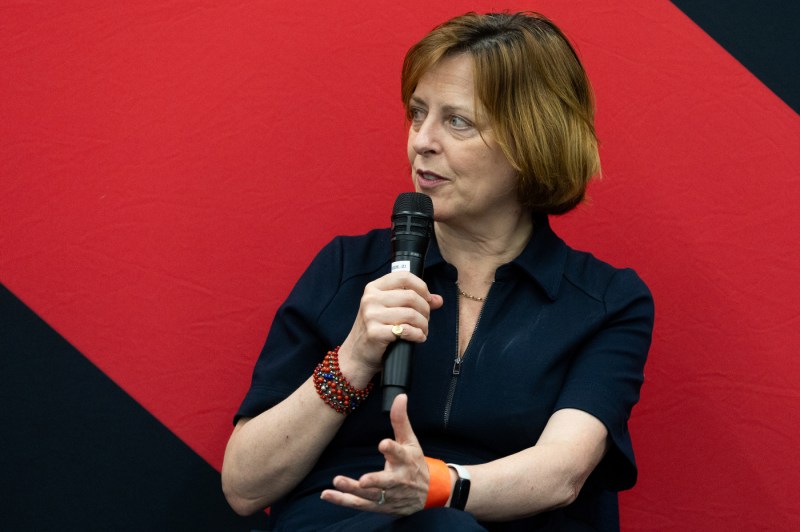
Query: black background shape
x,y
761,34
78,453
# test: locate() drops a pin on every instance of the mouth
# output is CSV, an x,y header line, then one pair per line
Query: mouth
x,y
429,177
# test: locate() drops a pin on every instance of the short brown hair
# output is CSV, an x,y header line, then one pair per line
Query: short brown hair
x,y
537,96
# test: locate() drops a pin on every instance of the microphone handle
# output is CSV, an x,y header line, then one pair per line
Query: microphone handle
x,y
396,376
396,371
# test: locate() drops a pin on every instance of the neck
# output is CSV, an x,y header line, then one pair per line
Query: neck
x,y
476,254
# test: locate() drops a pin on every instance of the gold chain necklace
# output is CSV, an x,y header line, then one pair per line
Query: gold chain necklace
x,y
469,296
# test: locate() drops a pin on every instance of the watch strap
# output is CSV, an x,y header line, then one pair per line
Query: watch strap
x,y
458,499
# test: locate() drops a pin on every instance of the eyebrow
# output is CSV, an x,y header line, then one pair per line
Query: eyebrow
x,y
446,108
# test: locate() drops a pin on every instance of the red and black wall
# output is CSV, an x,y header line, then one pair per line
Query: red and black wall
x,y
168,169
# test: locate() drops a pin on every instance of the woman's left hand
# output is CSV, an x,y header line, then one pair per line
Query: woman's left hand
x,y
402,487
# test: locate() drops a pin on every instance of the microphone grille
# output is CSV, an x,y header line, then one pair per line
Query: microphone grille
x,y
414,202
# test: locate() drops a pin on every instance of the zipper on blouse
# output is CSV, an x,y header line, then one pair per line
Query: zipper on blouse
x,y
451,391
457,366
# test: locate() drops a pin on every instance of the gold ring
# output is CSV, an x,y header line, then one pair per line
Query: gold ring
x,y
382,499
397,330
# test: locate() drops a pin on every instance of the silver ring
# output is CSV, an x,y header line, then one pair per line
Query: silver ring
x,y
397,331
382,499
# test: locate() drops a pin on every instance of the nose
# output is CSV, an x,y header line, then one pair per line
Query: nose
x,y
424,137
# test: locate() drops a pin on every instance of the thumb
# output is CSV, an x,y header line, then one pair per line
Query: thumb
x,y
436,301
403,433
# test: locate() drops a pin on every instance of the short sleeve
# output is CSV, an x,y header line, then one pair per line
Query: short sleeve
x,y
296,342
606,374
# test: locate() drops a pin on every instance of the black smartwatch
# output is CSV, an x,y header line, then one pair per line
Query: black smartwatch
x,y
458,499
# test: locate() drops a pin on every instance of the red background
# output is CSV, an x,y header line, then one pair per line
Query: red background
x,y
167,170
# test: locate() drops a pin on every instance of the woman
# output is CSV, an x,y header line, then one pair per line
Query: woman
x,y
529,354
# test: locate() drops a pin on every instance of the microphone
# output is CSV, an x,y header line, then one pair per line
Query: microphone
x,y
412,220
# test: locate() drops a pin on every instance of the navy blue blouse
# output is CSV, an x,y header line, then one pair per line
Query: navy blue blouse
x,y
559,329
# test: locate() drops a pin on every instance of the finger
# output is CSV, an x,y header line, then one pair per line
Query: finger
x,y
400,457
404,281
384,323
400,279
395,307
436,301
357,488
353,501
346,484
378,480
408,313
390,330
403,298
403,433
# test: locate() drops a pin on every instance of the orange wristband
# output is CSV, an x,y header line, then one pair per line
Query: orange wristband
x,y
439,484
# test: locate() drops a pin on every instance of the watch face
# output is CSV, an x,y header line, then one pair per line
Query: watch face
x,y
460,494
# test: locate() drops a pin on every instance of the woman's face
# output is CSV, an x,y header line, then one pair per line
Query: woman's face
x,y
453,154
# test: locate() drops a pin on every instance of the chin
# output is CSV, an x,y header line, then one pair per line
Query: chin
x,y
440,214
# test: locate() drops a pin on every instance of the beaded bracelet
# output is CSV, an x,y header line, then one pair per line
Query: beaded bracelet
x,y
333,388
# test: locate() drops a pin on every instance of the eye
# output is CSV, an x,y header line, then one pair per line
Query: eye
x,y
459,123
416,114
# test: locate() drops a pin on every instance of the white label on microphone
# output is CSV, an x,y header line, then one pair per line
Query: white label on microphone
x,y
401,266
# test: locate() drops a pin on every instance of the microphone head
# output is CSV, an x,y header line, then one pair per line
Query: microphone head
x,y
413,202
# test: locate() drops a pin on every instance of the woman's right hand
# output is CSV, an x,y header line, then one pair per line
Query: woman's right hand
x,y
397,298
